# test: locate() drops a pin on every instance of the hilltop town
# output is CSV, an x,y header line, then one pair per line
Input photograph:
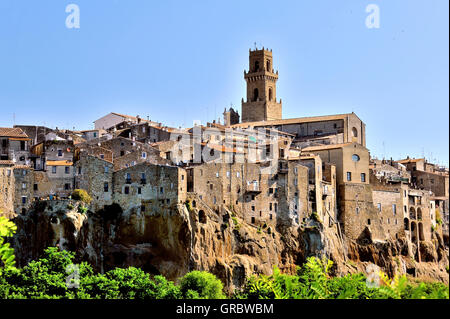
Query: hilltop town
x,y
255,172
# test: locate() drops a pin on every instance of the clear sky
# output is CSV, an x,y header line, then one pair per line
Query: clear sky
x,y
180,61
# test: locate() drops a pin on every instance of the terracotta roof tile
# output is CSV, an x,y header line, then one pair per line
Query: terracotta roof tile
x,y
12,132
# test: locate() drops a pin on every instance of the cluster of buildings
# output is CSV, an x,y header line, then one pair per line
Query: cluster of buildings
x,y
267,170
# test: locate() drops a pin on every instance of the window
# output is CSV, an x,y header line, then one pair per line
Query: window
x,y
276,207
139,190
349,176
363,177
217,174
268,68
35,187
66,187
394,209
53,169
143,208
255,95
161,190
228,174
355,158
67,170
368,222
60,153
79,170
355,134
102,156
357,210
237,174
106,187
270,94
122,153
379,207
144,155
24,199
106,169
270,206
95,134
127,190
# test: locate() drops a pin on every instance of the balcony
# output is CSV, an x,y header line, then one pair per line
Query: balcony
x,y
252,188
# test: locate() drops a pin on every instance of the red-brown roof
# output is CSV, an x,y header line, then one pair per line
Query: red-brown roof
x,y
12,132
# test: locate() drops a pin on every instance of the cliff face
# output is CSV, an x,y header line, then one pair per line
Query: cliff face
x,y
174,242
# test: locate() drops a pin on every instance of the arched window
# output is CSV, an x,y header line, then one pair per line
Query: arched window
x,y
421,236
406,221
255,94
419,214
268,69
256,66
354,132
270,94
412,213
413,232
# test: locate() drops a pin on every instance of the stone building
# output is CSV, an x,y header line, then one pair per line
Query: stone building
x,y
95,175
14,145
110,120
23,188
147,186
357,215
259,197
7,187
318,130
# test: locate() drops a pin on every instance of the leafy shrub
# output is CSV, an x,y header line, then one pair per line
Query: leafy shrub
x,y
82,195
7,229
82,209
201,285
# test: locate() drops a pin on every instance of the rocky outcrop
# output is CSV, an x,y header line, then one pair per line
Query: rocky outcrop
x,y
175,240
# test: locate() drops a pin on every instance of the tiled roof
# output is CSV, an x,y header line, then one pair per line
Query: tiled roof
x,y
12,132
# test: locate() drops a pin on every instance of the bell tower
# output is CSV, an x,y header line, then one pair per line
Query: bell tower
x,y
261,103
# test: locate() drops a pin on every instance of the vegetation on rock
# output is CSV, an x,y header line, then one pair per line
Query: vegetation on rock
x,y
81,195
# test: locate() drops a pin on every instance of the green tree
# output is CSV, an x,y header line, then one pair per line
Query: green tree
x,y
201,285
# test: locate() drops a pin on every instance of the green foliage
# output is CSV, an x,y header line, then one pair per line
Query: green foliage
x,y
47,278
7,229
82,195
313,282
315,216
70,206
188,206
201,285
82,209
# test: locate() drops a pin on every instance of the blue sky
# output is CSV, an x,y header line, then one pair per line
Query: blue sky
x,y
179,61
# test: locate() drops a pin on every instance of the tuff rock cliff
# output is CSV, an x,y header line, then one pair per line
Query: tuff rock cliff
x,y
174,242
